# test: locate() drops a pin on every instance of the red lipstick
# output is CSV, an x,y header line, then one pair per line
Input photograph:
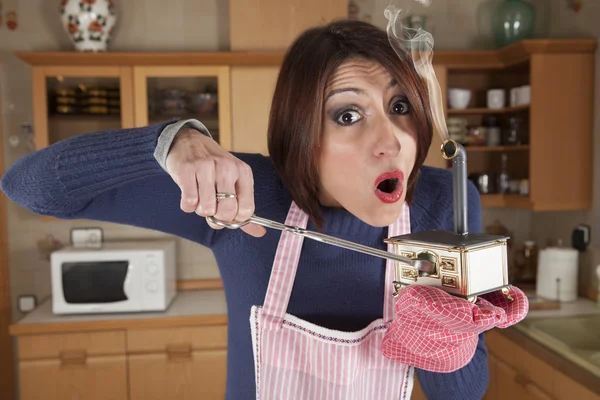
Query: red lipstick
x,y
389,186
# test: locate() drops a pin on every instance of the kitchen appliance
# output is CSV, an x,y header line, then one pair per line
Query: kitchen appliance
x,y
557,274
130,276
461,263
465,264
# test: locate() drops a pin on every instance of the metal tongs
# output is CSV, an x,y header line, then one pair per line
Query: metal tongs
x,y
426,267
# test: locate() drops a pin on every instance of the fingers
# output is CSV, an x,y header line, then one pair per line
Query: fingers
x,y
205,176
201,178
185,178
245,191
227,174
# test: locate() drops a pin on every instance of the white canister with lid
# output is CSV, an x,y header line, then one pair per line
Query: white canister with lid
x,y
557,274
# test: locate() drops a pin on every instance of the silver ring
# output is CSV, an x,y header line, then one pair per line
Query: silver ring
x,y
221,196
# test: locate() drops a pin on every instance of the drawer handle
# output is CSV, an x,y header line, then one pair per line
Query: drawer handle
x,y
72,357
179,351
522,380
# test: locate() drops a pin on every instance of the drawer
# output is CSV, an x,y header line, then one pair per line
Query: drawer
x,y
210,337
66,345
526,364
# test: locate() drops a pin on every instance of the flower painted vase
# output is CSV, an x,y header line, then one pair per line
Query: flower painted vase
x,y
88,23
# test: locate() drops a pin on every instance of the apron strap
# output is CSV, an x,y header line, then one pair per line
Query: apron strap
x,y
400,227
284,269
286,262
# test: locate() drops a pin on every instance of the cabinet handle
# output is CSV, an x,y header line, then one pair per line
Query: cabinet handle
x,y
532,388
72,357
522,380
179,351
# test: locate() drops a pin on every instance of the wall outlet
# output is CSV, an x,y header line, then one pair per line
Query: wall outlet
x,y
87,237
27,303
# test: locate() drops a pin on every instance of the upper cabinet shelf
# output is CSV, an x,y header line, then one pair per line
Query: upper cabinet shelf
x,y
149,59
465,59
506,110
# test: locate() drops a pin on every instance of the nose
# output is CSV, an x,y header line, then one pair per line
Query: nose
x,y
386,142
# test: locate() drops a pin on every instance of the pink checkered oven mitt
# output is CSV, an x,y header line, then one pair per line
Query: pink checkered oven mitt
x,y
435,331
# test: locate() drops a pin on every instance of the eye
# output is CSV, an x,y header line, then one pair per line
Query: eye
x,y
401,107
347,117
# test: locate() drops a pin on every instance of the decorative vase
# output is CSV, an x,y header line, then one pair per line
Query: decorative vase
x,y
513,20
88,23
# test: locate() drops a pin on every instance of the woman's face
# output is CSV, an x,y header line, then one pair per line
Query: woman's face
x,y
368,144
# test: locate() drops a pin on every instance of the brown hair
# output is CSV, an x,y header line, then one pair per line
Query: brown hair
x,y
295,121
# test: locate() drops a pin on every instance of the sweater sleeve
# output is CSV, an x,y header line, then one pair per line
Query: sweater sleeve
x,y
109,176
470,382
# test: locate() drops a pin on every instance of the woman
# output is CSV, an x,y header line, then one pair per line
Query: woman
x,y
349,130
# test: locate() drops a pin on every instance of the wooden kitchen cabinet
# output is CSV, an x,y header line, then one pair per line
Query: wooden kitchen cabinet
x,y
181,363
178,363
551,148
75,366
252,91
555,158
66,100
515,373
184,92
178,373
75,377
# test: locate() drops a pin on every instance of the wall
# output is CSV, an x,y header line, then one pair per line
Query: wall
x,y
202,25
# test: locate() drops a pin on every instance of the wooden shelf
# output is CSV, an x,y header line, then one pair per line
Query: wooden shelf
x,y
513,54
506,110
496,148
506,201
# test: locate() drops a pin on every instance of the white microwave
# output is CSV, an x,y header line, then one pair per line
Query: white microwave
x,y
131,276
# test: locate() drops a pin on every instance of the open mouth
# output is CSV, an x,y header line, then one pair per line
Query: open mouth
x,y
388,185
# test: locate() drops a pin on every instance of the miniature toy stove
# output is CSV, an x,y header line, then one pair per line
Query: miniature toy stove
x,y
465,264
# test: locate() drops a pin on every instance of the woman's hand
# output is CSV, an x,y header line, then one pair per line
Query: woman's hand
x,y
435,331
201,168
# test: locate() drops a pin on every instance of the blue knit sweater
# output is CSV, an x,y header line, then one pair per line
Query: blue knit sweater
x,y
113,176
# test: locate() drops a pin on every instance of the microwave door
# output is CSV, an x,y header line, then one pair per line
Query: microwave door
x,y
99,285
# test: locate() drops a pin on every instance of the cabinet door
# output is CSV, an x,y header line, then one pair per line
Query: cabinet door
x,y
251,95
73,100
199,92
74,377
562,133
178,374
510,384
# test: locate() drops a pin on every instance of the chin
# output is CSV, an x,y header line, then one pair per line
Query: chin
x,y
380,214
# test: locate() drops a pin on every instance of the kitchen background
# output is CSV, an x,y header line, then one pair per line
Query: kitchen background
x,y
202,25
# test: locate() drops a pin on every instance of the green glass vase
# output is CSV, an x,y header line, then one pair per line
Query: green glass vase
x,y
513,20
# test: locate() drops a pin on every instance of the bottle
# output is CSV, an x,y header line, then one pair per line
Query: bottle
x,y
526,261
503,178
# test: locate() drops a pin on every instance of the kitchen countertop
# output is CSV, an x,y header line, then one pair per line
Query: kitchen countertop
x,y
560,356
201,307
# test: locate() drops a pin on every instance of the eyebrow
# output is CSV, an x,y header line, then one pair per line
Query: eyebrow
x,y
392,84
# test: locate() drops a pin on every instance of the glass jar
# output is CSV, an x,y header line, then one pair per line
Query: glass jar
x,y
512,21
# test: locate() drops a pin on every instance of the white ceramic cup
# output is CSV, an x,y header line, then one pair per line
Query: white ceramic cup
x,y
524,95
495,98
459,98
515,96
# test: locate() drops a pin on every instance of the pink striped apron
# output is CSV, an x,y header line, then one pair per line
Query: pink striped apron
x,y
295,359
